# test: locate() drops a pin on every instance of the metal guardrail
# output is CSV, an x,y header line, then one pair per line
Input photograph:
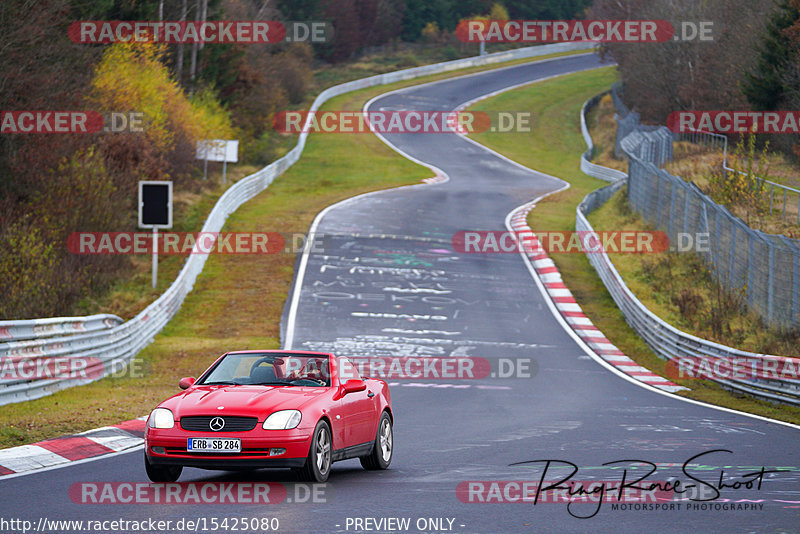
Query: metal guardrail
x,y
672,344
587,167
39,328
108,350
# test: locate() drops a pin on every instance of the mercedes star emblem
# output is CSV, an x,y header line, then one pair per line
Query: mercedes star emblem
x,y
216,424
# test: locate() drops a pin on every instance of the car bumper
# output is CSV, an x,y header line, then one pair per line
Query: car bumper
x,y
168,447
227,464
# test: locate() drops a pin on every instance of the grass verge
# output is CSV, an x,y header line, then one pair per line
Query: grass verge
x,y
554,146
237,300
680,288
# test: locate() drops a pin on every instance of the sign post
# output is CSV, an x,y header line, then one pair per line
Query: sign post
x,y
217,150
155,256
155,211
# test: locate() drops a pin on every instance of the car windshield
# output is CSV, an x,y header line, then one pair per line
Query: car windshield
x,y
269,369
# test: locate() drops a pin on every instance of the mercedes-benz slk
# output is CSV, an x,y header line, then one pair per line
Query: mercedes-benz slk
x,y
271,409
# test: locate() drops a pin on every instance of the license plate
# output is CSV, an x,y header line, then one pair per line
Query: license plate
x,y
214,445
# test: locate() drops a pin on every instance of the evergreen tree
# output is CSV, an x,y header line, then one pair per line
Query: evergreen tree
x,y
766,87
546,9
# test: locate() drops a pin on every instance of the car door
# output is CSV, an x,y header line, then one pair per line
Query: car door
x,y
359,409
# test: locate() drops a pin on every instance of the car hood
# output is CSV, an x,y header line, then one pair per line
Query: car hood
x,y
252,401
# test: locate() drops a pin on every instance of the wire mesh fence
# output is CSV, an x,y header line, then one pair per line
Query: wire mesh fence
x,y
762,269
689,208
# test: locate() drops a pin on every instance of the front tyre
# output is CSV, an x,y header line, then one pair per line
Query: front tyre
x,y
162,473
318,463
381,455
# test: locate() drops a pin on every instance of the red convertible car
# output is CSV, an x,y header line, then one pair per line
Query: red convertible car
x,y
271,408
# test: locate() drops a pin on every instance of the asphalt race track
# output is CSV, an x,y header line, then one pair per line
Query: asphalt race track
x,y
389,283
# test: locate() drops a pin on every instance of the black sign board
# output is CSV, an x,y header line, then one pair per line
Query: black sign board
x,y
155,204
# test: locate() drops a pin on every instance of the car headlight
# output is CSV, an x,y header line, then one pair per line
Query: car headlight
x,y
161,418
282,420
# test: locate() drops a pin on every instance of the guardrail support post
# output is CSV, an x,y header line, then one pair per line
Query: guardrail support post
x,y
771,288
704,214
686,211
672,210
784,204
658,200
796,288
732,270
716,233
750,272
771,194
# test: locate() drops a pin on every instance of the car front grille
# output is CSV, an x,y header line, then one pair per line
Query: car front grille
x,y
202,423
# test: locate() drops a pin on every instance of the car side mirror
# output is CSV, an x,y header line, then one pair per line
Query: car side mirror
x,y
186,382
354,385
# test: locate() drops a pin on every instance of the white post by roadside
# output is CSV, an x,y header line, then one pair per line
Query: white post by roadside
x,y
155,256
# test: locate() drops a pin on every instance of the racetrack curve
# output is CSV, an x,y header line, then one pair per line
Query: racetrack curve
x,y
389,284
